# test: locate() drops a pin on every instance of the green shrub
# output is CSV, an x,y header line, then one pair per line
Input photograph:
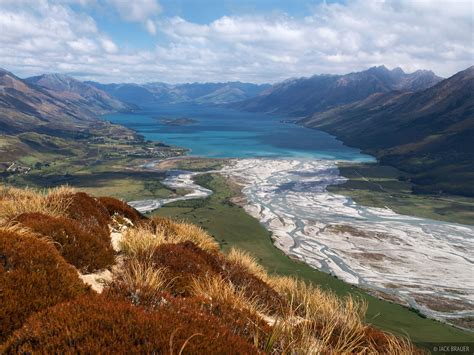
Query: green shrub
x,y
33,276
79,247
96,324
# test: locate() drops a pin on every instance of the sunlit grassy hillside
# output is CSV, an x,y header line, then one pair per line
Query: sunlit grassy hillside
x,y
85,274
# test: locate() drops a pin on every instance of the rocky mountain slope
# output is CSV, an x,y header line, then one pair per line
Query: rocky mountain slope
x,y
87,97
429,132
306,96
26,107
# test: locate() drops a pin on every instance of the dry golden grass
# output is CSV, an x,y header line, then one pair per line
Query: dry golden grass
x,y
140,240
177,232
314,321
12,227
319,321
247,262
14,201
139,275
219,290
144,238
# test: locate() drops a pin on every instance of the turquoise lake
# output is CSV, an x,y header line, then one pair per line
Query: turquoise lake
x,y
224,133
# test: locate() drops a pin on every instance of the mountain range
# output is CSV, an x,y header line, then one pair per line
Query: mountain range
x,y
417,122
197,93
28,107
305,96
89,98
429,133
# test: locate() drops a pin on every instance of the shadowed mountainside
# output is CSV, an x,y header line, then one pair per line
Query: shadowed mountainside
x,y
306,96
429,133
51,104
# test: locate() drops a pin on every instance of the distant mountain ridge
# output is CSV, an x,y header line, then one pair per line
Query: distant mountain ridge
x,y
198,93
305,96
91,99
28,107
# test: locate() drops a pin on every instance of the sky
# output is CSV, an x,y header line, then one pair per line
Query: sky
x,y
260,41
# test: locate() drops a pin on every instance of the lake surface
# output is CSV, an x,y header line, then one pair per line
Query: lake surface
x,y
225,133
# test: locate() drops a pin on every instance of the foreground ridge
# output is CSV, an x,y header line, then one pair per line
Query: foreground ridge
x,y
167,287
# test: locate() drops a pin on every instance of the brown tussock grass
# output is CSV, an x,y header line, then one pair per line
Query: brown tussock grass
x,y
219,290
246,261
319,321
139,275
140,240
177,232
144,238
53,202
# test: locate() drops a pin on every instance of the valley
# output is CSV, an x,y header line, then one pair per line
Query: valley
x,y
257,181
231,225
237,177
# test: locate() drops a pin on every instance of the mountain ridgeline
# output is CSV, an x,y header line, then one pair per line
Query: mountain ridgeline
x,y
429,133
91,99
417,122
197,93
305,96
51,103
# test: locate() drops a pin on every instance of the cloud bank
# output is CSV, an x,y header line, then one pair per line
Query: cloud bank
x,y
55,36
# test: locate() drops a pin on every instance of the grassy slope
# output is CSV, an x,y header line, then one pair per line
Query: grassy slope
x,y
379,186
233,227
80,164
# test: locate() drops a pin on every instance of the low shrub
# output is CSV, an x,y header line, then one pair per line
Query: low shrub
x,y
91,214
78,246
117,207
93,324
183,263
254,287
33,276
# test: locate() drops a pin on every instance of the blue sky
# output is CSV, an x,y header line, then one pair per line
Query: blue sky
x,y
253,41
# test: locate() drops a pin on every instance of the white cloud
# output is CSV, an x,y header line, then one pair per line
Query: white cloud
x,y
108,45
140,11
333,38
150,26
136,10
